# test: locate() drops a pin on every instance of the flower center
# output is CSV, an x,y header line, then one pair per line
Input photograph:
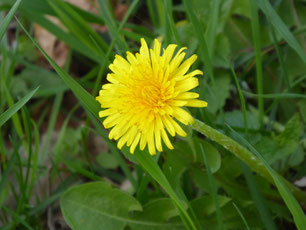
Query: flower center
x,y
153,95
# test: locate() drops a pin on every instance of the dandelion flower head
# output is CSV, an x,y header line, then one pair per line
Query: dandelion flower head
x,y
144,98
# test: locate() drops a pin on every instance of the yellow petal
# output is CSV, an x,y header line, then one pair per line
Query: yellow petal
x,y
135,142
158,140
111,120
187,95
168,125
183,116
166,139
196,103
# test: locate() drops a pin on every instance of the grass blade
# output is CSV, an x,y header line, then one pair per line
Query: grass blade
x,y
85,98
242,100
212,185
258,198
5,23
212,26
242,217
256,41
280,26
14,108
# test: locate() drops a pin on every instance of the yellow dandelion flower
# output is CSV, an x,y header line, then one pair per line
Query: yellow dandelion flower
x,y
145,97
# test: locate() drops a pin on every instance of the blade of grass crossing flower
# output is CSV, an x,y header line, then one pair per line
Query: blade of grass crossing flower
x,y
6,21
14,108
85,98
147,162
242,100
242,217
256,41
243,154
201,39
212,26
281,27
212,186
292,204
258,199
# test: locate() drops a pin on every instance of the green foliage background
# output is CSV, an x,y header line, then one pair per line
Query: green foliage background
x,y
244,172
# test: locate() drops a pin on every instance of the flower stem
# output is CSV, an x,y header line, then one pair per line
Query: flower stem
x,y
245,155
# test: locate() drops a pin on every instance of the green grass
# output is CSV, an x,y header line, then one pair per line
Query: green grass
x,y
54,148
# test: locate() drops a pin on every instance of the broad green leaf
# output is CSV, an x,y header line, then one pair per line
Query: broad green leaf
x,y
177,161
14,108
204,206
281,27
157,210
6,21
97,206
160,211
